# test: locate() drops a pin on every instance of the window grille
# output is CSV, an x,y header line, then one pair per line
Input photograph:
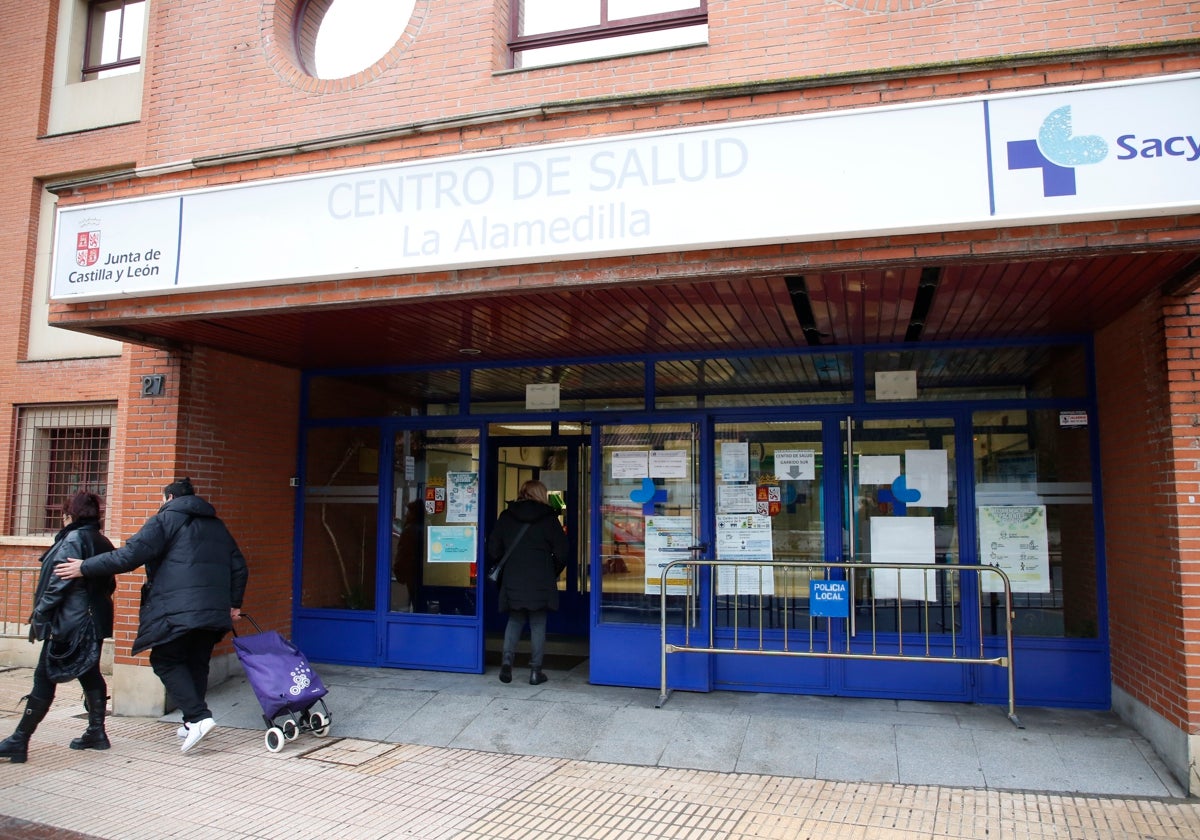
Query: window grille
x,y
61,450
113,45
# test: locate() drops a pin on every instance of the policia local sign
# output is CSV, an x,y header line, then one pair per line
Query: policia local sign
x,y
1069,153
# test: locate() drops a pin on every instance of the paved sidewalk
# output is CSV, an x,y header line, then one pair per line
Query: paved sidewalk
x,y
230,786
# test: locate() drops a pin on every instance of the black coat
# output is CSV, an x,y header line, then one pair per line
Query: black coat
x,y
530,577
195,572
59,604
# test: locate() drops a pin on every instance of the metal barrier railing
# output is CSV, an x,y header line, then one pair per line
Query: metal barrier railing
x,y
921,632
16,599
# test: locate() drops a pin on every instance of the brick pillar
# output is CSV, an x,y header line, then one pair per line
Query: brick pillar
x,y
230,424
1148,370
144,459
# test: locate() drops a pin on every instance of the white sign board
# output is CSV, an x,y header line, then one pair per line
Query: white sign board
x,y
795,464
1106,150
542,397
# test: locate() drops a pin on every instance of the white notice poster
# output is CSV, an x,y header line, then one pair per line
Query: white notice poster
x,y
737,498
462,497
668,463
878,469
1014,538
745,538
630,463
927,471
735,461
901,540
668,538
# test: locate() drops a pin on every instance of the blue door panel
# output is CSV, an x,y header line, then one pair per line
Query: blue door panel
x,y
911,680
342,639
433,645
771,674
1058,674
630,655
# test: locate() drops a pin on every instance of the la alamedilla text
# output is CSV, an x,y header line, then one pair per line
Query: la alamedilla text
x,y
611,221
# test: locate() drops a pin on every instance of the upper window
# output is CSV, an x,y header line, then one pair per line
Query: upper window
x,y
61,449
114,38
559,31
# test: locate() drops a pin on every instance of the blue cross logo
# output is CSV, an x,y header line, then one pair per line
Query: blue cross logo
x,y
900,496
648,495
1057,152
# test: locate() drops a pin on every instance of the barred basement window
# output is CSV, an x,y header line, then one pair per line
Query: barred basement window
x,y
61,449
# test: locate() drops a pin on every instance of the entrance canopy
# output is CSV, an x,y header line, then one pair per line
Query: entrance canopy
x,y
998,300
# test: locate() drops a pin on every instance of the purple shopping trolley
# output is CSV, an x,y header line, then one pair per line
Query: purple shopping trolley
x,y
285,684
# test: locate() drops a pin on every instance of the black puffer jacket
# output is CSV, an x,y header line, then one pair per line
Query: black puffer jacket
x,y
530,577
60,605
195,572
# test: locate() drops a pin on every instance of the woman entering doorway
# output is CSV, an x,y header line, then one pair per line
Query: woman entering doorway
x,y
531,546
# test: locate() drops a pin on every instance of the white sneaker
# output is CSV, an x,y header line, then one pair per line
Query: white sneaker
x,y
196,731
181,732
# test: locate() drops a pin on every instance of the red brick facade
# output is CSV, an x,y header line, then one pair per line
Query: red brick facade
x,y
221,80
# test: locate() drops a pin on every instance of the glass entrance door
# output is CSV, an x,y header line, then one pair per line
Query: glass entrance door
x,y
901,508
561,464
770,482
647,514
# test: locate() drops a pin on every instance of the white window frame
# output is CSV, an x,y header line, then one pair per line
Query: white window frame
x,y
128,39
80,105
610,35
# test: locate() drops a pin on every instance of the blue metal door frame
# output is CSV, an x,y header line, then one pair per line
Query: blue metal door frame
x,y
442,642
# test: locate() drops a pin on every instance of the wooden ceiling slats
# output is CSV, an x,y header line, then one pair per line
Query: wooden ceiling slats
x,y
976,301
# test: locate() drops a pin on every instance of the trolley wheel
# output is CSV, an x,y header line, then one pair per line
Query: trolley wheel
x,y
274,739
319,723
291,730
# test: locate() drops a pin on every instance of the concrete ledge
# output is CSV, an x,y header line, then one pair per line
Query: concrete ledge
x,y
19,653
137,692
1179,750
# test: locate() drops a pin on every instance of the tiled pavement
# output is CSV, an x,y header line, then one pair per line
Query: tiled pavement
x,y
516,780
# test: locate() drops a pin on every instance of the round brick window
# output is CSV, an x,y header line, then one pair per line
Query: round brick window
x,y
339,38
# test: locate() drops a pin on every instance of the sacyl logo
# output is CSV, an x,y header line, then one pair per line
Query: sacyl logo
x,y
1057,152
1186,147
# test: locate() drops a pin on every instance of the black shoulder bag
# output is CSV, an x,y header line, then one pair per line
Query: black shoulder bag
x,y
494,573
71,657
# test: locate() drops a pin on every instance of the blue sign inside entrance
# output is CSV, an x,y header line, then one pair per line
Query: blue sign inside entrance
x,y
828,599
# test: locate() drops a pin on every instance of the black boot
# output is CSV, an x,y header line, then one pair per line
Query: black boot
x,y
506,670
16,747
94,737
537,677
